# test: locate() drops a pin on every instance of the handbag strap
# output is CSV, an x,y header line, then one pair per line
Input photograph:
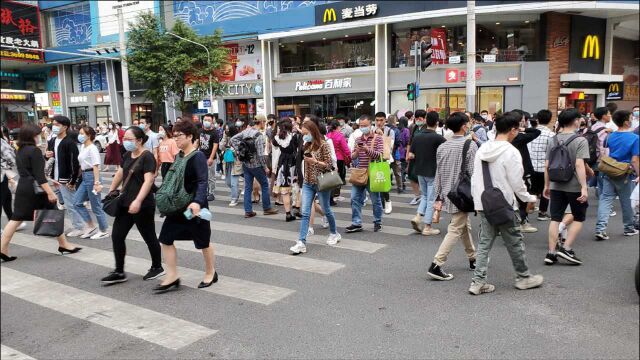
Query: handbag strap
x,y
486,175
132,170
465,150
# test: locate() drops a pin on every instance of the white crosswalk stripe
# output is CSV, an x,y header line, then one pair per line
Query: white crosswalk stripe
x,y
133,320
227,286
7,353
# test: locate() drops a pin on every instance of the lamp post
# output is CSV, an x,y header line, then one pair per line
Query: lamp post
x,y
208,63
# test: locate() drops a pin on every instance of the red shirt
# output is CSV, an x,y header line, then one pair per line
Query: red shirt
x,y
120,135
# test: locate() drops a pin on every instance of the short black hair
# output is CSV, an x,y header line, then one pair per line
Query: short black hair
x,y
408,114
138,134
62,120
507,122
432,118
456,120
484,111
364,117
477,117
187,128
544,116
568,117
381,114
272,117
612,107
600,112
209,116
520,112
89,131
420,113
620,116
27,134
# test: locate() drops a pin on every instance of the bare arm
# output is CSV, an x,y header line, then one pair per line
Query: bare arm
x,y
117,179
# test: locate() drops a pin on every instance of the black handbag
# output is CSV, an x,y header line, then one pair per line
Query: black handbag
x,y
37,188
496,208
460,195
111,202
48,223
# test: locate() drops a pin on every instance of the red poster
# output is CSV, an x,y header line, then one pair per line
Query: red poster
x,y
439,42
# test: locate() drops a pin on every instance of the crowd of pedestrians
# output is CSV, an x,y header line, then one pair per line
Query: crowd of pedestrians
x,y
501,169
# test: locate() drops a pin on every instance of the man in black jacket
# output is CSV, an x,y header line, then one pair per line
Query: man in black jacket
x,y
66,169
525,136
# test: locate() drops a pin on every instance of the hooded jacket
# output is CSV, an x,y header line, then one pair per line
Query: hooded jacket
x,y
505,166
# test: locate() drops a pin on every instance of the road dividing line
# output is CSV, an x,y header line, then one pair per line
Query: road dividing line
x,y
7,353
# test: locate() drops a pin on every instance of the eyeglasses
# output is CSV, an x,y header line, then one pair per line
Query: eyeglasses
x,y
177,134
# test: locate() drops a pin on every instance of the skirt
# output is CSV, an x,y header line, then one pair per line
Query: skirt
x,y
177,227
113,156
26,201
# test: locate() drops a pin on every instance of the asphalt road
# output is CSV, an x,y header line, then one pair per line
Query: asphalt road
x,y
368,298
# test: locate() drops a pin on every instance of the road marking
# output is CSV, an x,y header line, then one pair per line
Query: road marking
x,y
133,320
227,286
7,353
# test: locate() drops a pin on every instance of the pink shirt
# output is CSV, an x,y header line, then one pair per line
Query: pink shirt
x,y
339,144
168,150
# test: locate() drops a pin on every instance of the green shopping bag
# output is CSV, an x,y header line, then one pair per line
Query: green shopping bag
x,y
379,176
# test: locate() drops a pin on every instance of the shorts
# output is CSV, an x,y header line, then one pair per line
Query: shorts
x,y
537,183
558,205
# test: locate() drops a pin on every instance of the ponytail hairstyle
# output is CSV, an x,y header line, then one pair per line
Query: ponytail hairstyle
x,y
138,134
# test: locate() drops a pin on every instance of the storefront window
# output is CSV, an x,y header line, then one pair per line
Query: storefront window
x,y
327,106
509,39
79,115
244,108
491,99
356,51
140,111
431,99
103,114
89,77
447,101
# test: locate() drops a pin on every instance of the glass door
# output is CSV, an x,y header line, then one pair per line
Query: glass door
x,y
79,115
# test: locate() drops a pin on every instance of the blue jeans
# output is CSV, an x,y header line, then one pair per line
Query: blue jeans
x,y
357,199
309,192
259,174
68,197
232,181
85,192
610,189
427,198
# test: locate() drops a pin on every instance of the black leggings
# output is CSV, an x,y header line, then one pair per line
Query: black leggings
x,y
5,195
145,222
342,171
164,168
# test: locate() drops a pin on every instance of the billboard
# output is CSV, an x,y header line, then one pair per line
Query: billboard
x,y
20,27
243,64
108,12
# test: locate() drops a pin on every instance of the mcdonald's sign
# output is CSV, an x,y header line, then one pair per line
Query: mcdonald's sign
x,y
591,47
615,91
329,15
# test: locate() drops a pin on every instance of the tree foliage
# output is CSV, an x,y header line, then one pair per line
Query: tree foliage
x,y
167,64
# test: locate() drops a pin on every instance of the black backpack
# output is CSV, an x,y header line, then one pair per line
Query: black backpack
x,y
592,140
247,148
460,195
496,209
561,163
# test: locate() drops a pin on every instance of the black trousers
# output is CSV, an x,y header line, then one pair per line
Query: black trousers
x,y
5,196
164,168
342,171
144,221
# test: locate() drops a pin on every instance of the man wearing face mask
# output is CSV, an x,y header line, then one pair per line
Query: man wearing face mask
x,y
488,123
635,117
153,143
209,141
66,168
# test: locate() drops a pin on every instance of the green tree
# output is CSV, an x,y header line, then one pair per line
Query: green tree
x,y
167,64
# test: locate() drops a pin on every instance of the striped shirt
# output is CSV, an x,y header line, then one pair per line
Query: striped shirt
x,y
538,148
368,151
449,160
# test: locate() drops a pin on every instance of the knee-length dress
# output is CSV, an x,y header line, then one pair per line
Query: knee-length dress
x,y
287,173
30,163
113,155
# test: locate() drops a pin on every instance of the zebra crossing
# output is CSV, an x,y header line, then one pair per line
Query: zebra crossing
x,y
142,321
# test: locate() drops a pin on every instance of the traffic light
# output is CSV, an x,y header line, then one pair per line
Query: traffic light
x,y
425,55
411,91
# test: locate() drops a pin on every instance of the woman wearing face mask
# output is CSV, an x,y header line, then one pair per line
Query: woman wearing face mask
x,y
113,155
167,150
90,187
286,171
136,206
317,160
232,166
30,163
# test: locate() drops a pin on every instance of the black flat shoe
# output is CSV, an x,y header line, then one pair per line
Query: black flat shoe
x,y
7,258
62,250
164,288
213,281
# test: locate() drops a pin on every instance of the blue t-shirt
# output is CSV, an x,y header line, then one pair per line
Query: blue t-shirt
x,y
623,146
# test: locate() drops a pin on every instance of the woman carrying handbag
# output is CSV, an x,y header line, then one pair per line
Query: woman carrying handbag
x,y
33,192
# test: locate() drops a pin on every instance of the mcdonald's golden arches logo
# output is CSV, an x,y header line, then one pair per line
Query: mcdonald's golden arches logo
x,y
614,88
591,47
329,15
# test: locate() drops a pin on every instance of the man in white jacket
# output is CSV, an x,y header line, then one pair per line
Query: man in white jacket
x,y
505,167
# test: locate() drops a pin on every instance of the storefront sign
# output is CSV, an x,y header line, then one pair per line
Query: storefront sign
x,y
5,74
452,76
615,91
343,11
455,75
108,14
587,44
20,27
454,59
56,105
243,89
560,42
591,47
489,58
344,83
42,99
78,99
8,96
439,45
243,64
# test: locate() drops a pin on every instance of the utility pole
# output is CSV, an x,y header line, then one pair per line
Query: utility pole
x,y
416,47
471,56
125,70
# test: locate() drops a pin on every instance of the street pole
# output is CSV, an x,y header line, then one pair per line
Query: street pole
x,y
125,71
208,63
416,55
471,56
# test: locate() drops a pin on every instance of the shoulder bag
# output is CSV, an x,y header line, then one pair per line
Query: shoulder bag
x,y
460,195
496,209
360,176
111,202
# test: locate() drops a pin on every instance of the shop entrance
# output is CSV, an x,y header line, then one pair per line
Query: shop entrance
x,y
241,108
79,114
327,106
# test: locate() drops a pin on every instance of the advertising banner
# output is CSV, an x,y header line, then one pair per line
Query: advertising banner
x,y
20,27
244,63
439,46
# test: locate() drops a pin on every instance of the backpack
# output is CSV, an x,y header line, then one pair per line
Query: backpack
x,y
172,196
592,140
561,164
496,209
460,195
247,148
228,156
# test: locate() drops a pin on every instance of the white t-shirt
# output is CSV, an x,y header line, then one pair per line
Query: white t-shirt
x,y
152,142
56,173
89,157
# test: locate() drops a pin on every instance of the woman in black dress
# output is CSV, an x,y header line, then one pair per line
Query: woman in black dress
x,y
176,226
30,162
286,170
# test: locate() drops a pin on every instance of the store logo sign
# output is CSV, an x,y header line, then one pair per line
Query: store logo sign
x,y
591,47
13,96
615,91
452,75
329,15
344,83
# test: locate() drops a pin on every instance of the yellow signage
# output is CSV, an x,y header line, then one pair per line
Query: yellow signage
x,y
614,87
591,47
329,15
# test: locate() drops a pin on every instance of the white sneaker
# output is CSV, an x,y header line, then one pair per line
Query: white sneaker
x,y
60,206
613,213
233,203
298,248
310,232
340,198
325,222
74,233
415,201
99,235
22,226
334,239
222,177
88,232
388,207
